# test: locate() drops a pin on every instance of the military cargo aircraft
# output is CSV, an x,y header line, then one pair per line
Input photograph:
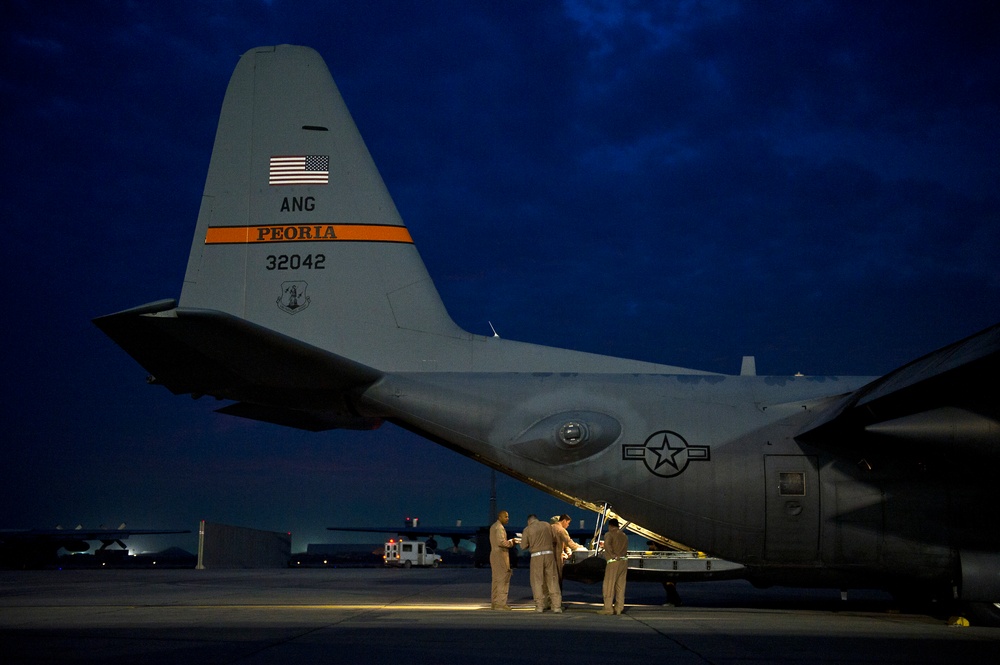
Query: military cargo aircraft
x,y
306,303
30,548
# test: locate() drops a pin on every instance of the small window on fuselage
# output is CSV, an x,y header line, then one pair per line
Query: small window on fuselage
x,y
792,483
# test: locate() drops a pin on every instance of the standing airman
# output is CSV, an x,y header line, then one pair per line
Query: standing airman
x,y
500,546
537,539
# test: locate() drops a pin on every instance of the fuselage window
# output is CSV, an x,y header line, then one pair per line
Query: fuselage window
x,y
792,484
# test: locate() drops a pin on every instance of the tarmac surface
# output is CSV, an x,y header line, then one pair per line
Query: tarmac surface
x,y
373,615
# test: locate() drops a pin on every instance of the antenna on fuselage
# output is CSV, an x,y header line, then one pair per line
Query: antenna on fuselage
x,y
493,329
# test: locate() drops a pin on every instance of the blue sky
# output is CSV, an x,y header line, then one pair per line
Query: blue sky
x,y
812,183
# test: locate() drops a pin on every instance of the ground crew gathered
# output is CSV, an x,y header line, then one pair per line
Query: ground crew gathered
x,y
537,539
500,546
564,545
616,553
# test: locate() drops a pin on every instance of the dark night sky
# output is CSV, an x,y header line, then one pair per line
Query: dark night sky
x,y
813,183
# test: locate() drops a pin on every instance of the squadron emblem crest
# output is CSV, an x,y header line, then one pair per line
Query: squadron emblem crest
x,y
293,298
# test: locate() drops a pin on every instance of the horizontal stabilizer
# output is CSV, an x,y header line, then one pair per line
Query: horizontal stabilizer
x,y
206,352
310,421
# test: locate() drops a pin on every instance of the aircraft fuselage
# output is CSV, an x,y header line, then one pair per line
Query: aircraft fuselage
x,y
708,460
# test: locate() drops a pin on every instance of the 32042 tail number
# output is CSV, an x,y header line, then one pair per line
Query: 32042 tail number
x,y
295,262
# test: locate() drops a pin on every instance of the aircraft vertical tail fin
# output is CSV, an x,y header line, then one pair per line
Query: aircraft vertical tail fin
x,y
302,278
297,232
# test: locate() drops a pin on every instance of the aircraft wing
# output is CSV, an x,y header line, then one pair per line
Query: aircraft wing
x,y
34,546
941,397
271,376
9,535
415,532
468,532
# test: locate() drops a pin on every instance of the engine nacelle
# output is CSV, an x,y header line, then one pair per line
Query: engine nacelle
x,y
980,576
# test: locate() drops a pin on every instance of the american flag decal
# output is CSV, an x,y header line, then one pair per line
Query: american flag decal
x,y
299,170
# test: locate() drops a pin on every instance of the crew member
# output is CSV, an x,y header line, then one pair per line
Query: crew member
x,y
500,546
616,553
537,539
564,545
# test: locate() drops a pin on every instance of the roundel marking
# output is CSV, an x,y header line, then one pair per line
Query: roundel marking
x,y
666,453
